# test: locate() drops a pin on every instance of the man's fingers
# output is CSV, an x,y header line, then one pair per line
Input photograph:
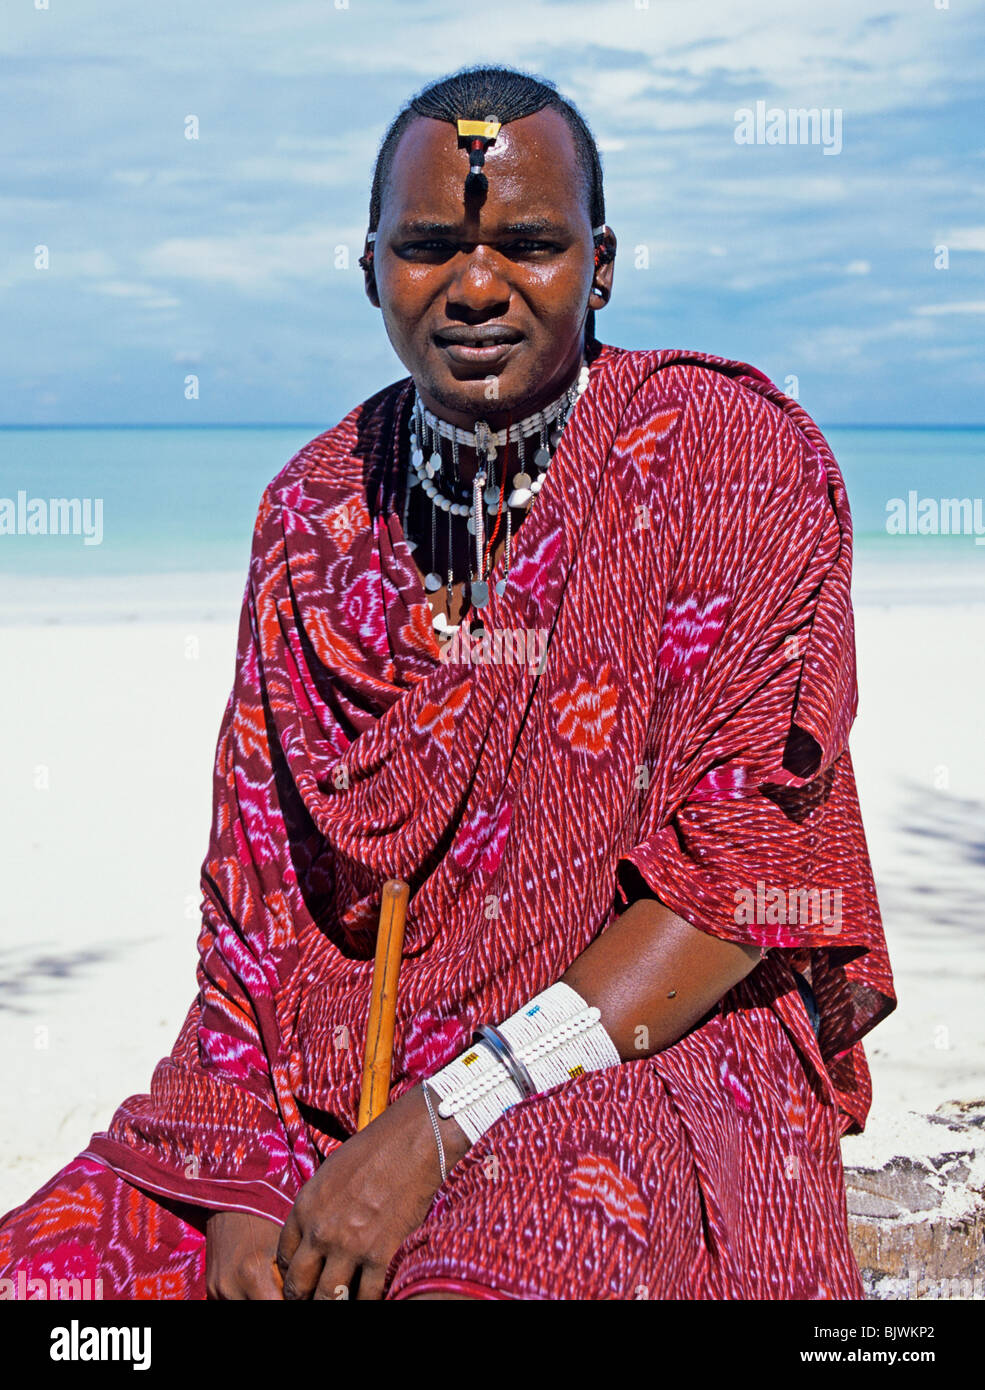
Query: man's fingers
x,y
232,1292
371,1280
290,1239
302,1274
336,1277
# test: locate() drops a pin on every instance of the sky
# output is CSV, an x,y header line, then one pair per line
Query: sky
x,y
224,257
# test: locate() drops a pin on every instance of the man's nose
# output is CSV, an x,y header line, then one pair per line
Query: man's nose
x,y
478,284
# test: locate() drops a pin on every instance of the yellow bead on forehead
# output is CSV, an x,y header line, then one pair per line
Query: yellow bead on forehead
x,y
487,130
477,136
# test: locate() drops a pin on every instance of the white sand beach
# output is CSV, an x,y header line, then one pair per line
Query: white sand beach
x,y
110,723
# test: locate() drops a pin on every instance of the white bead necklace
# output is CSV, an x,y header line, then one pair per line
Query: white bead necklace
x,y
427,470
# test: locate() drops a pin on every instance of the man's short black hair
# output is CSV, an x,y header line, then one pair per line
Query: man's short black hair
x,y
477,92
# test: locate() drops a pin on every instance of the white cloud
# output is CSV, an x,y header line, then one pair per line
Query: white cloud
x,y
827,345
144,296
122,289
966,306
785,189
81,263
946,354
254,262
132,178
965,239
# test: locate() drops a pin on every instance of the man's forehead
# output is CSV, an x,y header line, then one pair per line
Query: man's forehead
x,y
524,135
538,149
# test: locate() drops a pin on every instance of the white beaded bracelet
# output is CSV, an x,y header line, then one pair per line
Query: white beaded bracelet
x,y
553,1038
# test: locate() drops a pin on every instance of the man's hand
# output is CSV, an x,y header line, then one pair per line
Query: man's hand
x,y
241,1257
370,1193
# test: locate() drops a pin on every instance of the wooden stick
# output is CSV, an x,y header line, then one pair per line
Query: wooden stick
x,y
383,1002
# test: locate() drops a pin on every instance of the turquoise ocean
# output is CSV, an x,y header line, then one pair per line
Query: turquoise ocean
x,y
180,499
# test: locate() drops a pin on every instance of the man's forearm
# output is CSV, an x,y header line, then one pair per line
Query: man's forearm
x,y
653,976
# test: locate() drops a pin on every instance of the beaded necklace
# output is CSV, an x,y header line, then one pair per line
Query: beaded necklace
x,y
455,497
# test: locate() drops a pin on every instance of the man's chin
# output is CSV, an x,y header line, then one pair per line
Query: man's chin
x,y
482,390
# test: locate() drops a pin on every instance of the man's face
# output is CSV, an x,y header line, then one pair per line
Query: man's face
x,y
494,290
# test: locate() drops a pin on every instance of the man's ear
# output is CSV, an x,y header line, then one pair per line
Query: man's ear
x,y
369,275
605,256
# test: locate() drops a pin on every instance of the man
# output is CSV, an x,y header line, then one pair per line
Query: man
x,y
641,856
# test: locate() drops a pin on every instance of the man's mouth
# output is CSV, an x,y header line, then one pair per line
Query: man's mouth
x,y
477,343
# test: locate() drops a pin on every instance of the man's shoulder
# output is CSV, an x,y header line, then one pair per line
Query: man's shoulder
x,y
736,425
702,376
726,397
360,433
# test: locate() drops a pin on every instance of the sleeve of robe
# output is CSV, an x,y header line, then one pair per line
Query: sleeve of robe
x,y
220,1127
751,826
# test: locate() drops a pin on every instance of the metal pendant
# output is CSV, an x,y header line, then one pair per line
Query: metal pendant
x,y
484,442
432,582
522,480
480,593
433,465
491,496
542,458
501,587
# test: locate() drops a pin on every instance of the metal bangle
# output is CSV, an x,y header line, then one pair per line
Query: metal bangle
x,y
437,1132
494,1039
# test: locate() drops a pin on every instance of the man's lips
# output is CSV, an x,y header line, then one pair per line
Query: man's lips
x,y
483,343
478,335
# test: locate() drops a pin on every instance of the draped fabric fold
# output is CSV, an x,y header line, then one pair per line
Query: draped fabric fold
x,y
687,564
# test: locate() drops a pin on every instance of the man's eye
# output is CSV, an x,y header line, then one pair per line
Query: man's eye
x,y
428,248
527,248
